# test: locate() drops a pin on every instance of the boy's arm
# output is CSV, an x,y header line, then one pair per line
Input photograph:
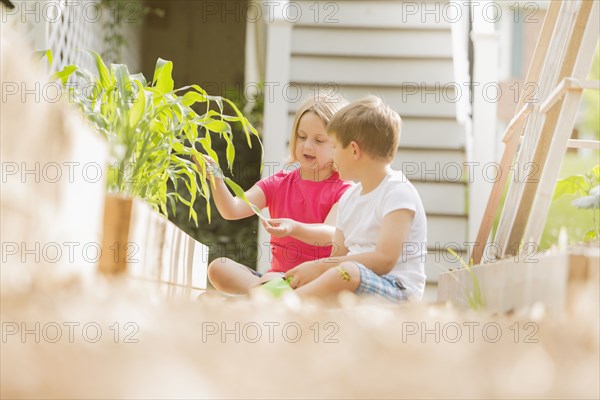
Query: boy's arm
x,y
229,206
393,234
319,234
339,248
311,270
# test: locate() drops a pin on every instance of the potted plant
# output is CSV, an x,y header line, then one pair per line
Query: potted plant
x,y
154,132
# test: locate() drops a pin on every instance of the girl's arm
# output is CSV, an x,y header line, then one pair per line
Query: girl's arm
x,y
314,234
229,206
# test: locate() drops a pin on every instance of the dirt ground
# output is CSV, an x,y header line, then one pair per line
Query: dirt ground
x,y
111,339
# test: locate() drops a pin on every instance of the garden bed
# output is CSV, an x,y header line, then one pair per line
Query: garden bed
x,y
147,246
522,281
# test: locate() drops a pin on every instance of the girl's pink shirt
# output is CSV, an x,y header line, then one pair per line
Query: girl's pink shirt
x,y
290,196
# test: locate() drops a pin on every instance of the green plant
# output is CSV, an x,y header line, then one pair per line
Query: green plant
x,y
225,238
586,188
153,130
475,297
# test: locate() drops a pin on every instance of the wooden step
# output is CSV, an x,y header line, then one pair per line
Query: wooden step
x,y
380,14
431,165
371,71
413,100
424,133
332,40
446,231
443,198
432,133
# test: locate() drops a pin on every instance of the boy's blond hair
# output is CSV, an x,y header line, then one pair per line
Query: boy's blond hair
x,y
372,124
324,105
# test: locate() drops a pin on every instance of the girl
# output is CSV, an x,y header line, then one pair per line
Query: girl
x,y
302,200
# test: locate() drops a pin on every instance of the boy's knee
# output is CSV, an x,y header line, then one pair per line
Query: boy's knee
x,y
347,272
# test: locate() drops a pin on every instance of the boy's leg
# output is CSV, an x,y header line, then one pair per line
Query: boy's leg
x,y
344,277
228,276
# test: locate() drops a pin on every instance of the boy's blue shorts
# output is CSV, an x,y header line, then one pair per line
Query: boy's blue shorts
x,y
389,287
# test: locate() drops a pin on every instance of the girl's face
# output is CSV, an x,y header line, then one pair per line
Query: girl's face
x,y
313,145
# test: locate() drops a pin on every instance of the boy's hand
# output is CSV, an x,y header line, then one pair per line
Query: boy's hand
x,y
305,273
280,227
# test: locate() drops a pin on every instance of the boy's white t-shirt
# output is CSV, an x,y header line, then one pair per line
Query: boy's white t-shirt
x,y
360,218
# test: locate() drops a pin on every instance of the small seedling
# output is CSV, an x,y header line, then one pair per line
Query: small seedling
x,y
278,286
474,296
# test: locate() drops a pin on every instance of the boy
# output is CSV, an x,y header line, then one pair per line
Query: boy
x,y
380,238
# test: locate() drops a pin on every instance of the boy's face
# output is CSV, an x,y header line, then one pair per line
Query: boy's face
x,y
342,158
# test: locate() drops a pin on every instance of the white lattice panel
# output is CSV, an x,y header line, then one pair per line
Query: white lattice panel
x,y
67,27
77,27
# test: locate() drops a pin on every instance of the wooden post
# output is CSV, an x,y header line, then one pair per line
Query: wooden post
x,y
485,43
117,224
276,130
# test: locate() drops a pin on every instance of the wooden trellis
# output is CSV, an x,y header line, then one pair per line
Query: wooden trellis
x,y
542,125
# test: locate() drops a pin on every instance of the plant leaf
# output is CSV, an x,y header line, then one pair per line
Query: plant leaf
x,y
139,77
568,186
216,126
103,72
590,234
191,98
125,92
139,106
163,79
239,192
229,152
40,54
587,202
64,74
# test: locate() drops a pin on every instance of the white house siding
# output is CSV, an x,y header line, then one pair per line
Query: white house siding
x,y
405,56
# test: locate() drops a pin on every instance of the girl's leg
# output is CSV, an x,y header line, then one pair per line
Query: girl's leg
x,y
332,282
228,276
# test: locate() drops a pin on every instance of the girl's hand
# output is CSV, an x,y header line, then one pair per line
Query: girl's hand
x,y
269,276
280,227
305,273
212,168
